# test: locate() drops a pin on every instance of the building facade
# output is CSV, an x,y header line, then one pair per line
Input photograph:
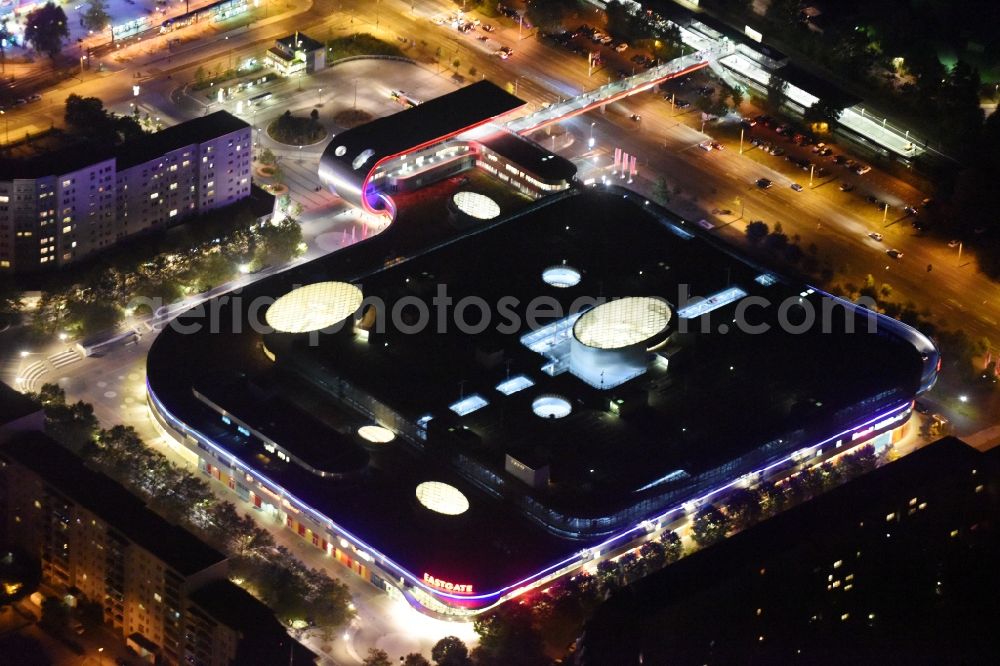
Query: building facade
x,y
61,207
156,583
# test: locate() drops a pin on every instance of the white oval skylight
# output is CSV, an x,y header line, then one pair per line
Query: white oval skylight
x,y
476,205
561,276
339,151
442,498
313,307
551,406
376,434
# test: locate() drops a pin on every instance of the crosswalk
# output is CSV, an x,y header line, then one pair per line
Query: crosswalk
x,y
29,378
62,359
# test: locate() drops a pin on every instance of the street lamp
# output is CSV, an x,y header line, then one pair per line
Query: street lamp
x,y
6,129
590,143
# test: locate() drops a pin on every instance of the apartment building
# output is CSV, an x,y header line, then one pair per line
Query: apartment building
x,y
60,207
158,585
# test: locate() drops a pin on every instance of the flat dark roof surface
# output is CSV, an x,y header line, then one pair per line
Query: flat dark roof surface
x,y
434,119
15,405
58,162
817,85
197,130
304,42
531,156
723,395
790,555
115,505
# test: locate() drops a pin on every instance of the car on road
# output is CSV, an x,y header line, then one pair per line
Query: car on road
x,y
777,151
839,159
488,28
910,210
764,183
682,104
796,187
35,97
718,146
862,169
954,243
846,187
705,145
894,253
875,236
504,52
622,48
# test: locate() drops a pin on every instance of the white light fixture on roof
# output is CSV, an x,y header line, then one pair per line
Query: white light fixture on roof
x,y
442,498
468,404
551,406
561,276
514,384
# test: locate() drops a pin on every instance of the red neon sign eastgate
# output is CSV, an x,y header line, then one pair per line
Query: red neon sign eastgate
x,y
445,585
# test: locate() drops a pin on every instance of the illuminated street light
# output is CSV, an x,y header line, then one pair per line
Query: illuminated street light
x,y
25,353
963,398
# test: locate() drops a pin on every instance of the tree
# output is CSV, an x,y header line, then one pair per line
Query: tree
x,y
654,556
609,574
4,40
757,231
673,546
45,28
19,576
785,12
55,615
278,243
550,15
96,17
661,191
823,112
450,651
200,76
267,157
776,90
743,508
377,657
508,636
84,114
710,526
415,659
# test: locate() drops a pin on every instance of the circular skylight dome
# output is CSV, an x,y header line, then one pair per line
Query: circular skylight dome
x,y
442,498
622,323
561,276
476,205
376,434
340,151
551,406
313,307
362,157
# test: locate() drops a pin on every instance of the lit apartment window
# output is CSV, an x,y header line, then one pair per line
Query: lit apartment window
x,y
68,228
185,163
4,198
173,167
154,195
173,212
73,244
173,186
4,263
211,183
67,183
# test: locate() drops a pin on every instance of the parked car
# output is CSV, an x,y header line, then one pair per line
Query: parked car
x,y
764,183
862,169
954,243
796,187
622,48
718,146
705,145
846,187
874,235
894,253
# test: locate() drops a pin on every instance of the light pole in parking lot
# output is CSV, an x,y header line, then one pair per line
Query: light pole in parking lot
x,y
590,142
885,213
741,151
812,170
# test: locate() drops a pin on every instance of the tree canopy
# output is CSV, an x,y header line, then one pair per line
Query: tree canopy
x,y
45,29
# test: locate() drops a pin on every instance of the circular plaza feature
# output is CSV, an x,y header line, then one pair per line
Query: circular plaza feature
x,y
313,307
622,323
551,406
561,277
376,434
476,205
442,498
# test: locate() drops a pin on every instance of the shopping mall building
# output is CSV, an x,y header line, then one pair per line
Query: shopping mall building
x,y
519,376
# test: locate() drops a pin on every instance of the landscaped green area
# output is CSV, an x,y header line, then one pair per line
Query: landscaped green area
x,y
359,44
297,131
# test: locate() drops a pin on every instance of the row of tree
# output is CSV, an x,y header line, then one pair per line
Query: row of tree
x,y
292,590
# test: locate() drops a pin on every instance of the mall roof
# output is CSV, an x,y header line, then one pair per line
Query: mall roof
x,y
723,396
430,121
111,502
531,157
